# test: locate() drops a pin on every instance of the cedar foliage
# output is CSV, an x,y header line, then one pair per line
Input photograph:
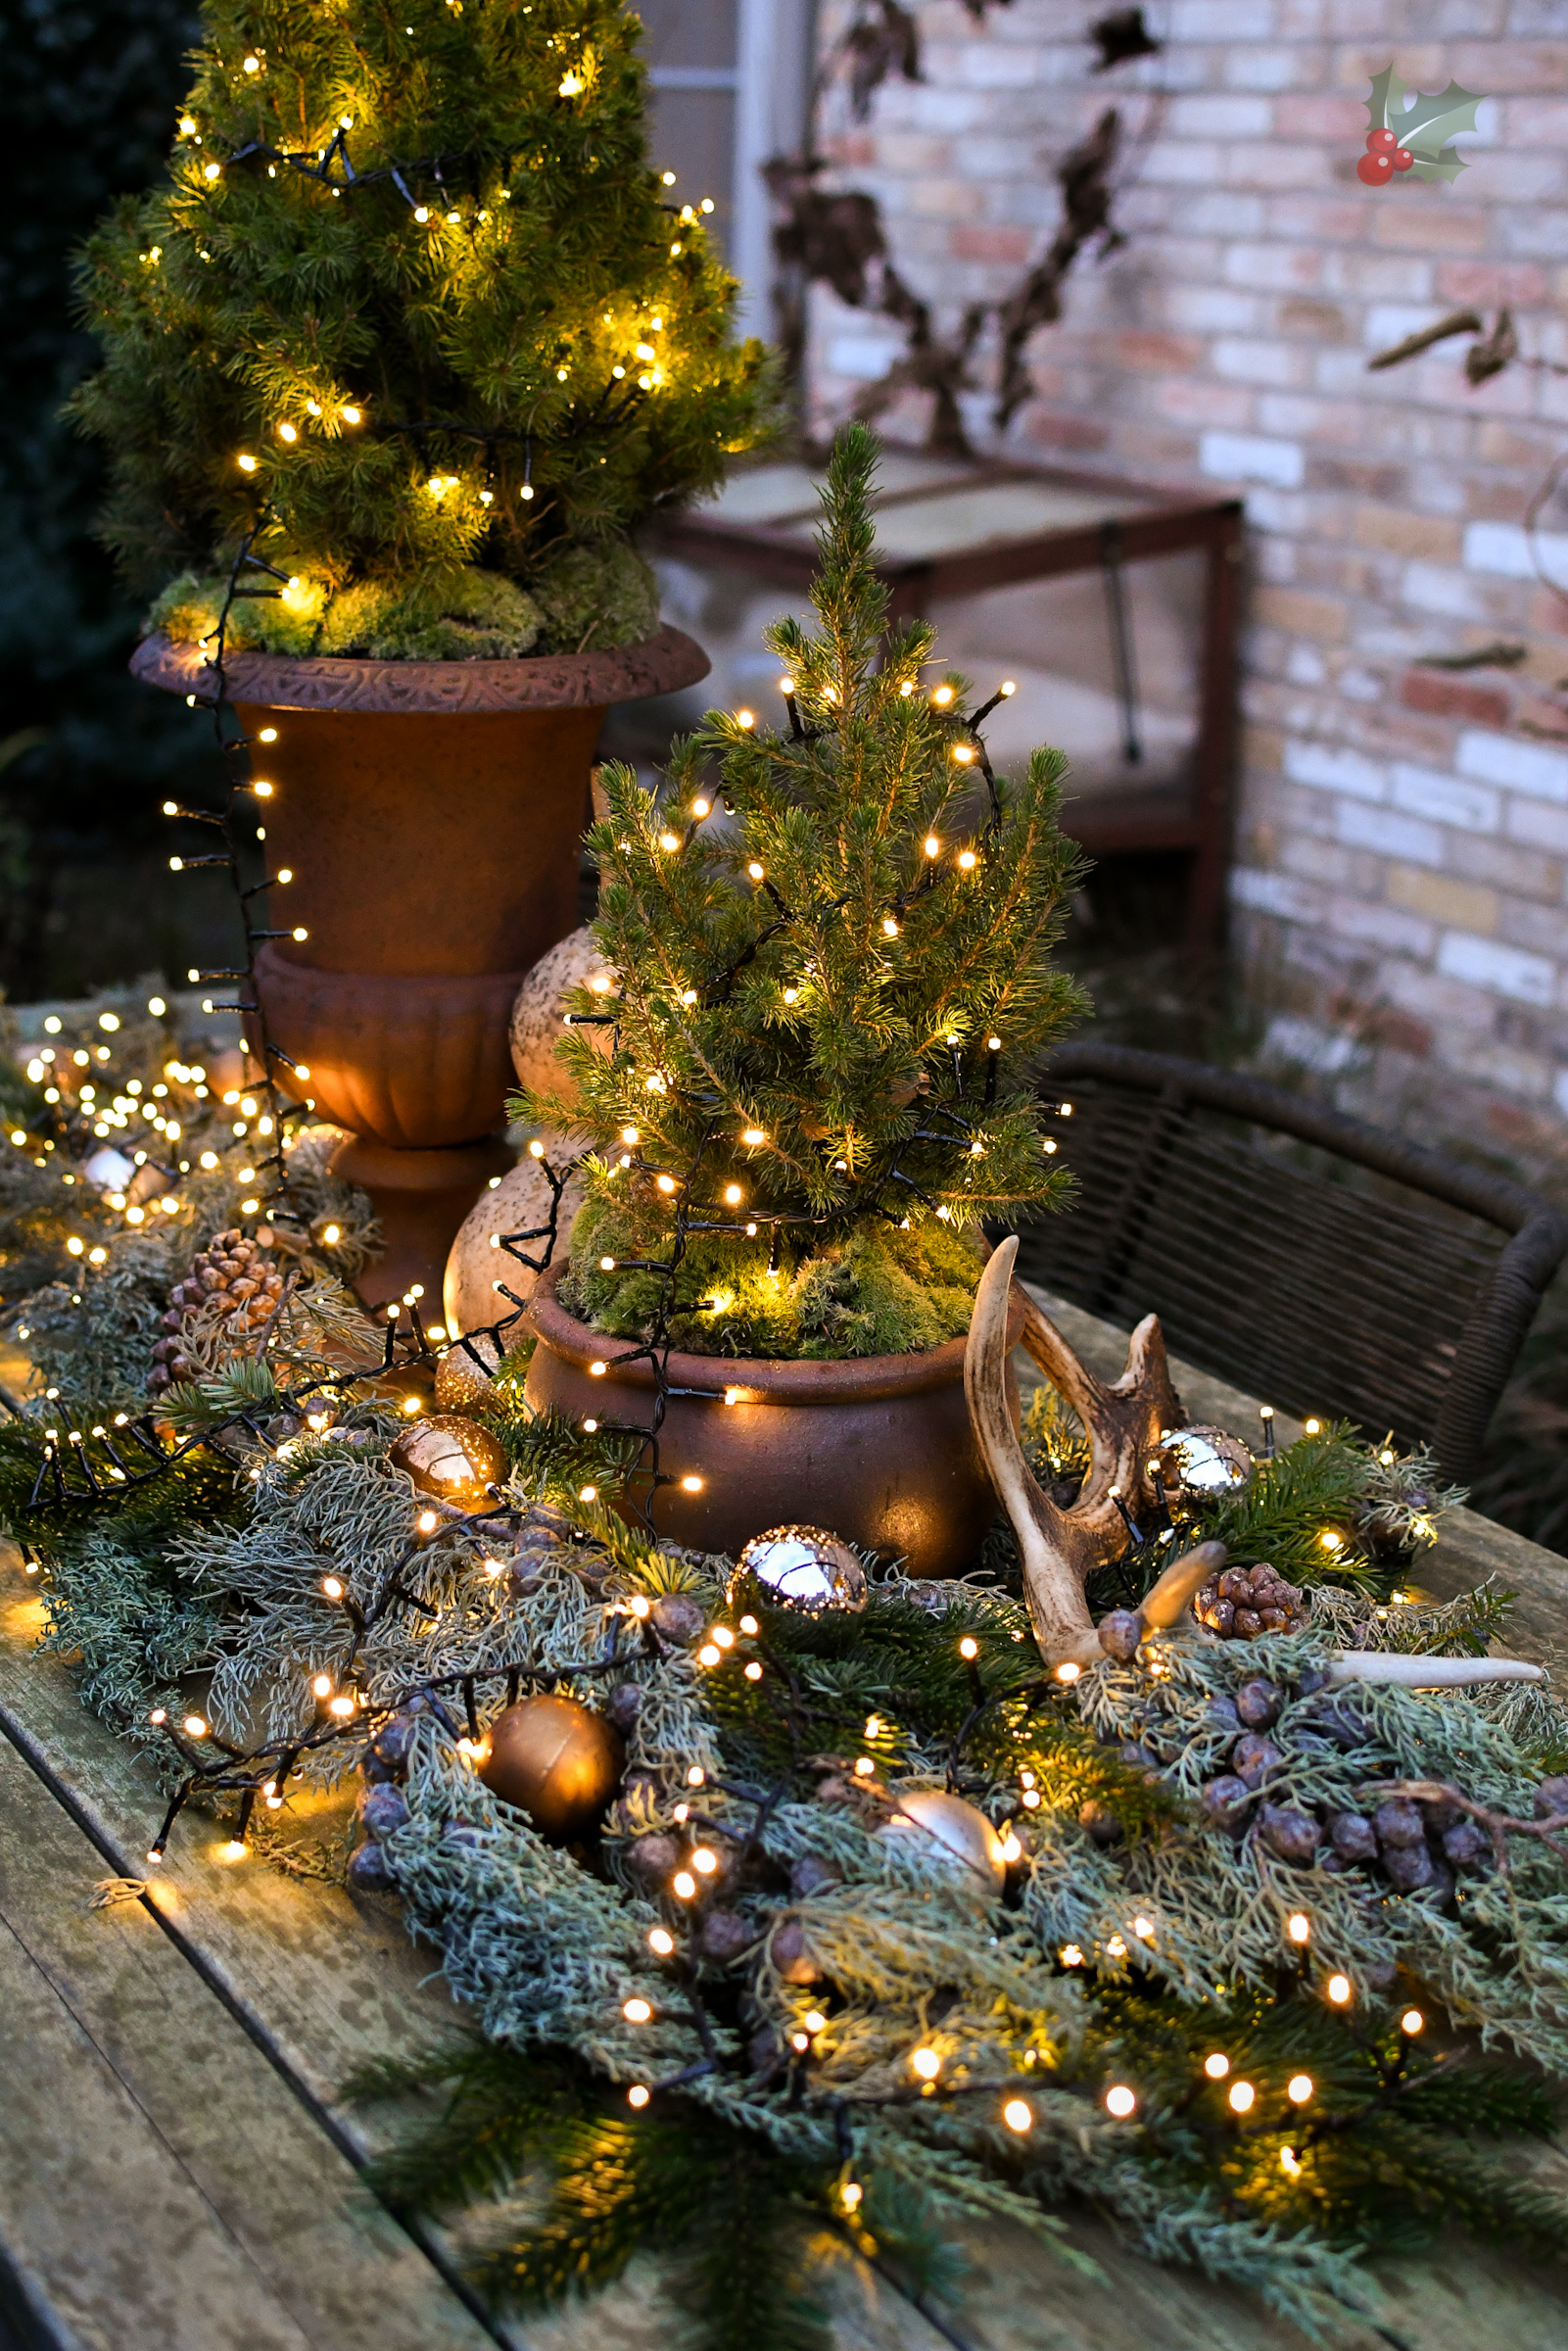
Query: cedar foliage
x,y
824,964
492,345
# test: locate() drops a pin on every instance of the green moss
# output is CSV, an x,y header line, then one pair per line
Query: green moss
x,y
466,615
469,616
875,1292
591,598
188,612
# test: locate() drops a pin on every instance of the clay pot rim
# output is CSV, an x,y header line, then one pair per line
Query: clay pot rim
x,y
660,664
844,1379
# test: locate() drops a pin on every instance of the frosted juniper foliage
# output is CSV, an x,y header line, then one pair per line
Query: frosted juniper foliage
x,y
1139,1926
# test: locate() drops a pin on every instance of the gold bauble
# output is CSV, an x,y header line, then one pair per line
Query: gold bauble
x,y
954,1835
460,1379
556,1761
452,1458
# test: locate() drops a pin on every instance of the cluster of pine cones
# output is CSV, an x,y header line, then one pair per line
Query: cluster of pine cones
x,y
1245,1601
233,1286
1402,1844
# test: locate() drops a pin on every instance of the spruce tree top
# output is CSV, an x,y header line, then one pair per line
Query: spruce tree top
x,y
413,295
831,948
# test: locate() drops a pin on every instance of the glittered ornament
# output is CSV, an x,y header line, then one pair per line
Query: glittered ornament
x,y
953,1833
453,1459
556,1761
467,1371
1202,1462
804,1568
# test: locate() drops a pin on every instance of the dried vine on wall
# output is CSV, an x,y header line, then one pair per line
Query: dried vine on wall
x,y
837,236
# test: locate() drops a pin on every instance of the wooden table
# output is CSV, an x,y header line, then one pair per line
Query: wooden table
x,y
178,2170
950,530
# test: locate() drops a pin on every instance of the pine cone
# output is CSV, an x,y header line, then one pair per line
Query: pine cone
x,y
1245,1601
233,1287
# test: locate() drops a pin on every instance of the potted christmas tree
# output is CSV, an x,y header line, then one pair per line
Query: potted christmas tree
x,y
393,366
804,1079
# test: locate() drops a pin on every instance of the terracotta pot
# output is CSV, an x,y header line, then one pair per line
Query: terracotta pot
x,y
431,813
876,1449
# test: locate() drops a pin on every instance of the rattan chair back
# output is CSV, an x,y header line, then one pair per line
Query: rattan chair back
x,y
1323,1266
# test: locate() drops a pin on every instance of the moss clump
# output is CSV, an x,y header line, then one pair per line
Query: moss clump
x,y
189,607
875,1292
471,616
596,596
586,600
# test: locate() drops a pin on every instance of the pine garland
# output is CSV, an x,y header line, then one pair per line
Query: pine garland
x,y
1133,1958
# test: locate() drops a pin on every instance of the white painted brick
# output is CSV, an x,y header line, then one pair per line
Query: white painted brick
x,y
1226,21
1331,770
1244,458
1538,826
1323,1049
1248,361
1305,666
1378,925
866,356
1421,791
1361,686
1504,548
1362,827
1431,587
1210,309
1210,117
1505,970
1274,893
1260,68
1523,766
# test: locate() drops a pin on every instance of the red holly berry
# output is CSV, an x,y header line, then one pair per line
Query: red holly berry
x,y
1403,158
1378,140
1375,170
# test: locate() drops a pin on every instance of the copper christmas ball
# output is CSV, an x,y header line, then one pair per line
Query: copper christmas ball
x,y
453,1459
1203,1461
956,1836
467,1371
804,1568
554,1759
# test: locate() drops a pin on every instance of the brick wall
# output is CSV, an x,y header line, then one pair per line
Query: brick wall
x,y
1403,839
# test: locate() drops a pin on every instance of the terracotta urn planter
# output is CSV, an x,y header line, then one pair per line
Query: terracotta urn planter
x,y
431,813
876,1447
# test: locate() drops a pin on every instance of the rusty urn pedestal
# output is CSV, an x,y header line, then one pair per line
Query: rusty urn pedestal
x,y
431,815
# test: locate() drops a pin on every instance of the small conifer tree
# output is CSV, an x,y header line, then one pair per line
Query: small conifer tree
x,y
413,299
813,1081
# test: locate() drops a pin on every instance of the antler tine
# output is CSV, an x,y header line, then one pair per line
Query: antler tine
x,y
1123,1419
1428,1673
1058,1553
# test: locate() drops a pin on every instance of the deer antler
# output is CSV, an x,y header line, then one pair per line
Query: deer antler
x,y
1061,1549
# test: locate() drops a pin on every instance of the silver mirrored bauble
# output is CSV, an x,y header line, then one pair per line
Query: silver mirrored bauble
x,y
806,1569
954,1835
1202,1460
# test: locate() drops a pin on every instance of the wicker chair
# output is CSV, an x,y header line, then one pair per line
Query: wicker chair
x,y
1314,1262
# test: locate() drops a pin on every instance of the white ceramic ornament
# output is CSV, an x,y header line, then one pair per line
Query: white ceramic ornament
x,y
543,1002
520,1202
952,1833
109,1170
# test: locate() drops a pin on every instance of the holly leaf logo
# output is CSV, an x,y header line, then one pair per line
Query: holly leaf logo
x,y
1423,126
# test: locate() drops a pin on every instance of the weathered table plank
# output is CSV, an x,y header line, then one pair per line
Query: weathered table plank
x,y
159,2182
240,1967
